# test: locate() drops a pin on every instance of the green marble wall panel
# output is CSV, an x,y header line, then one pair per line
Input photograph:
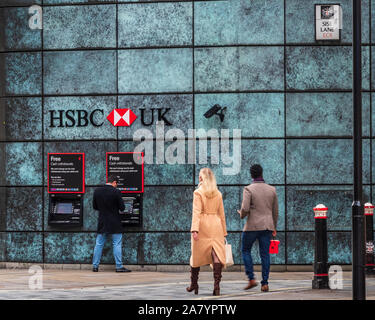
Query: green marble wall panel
x,y
94,157
320,67
252,151
100,128
324,161
21,209
301,247
373,66
239,68
3,246
155,70
324,114
24,247
76,1
256,114
238,22
79,72
22,163
167,208
22,73
61,247
373,21
156,24
161,174
302,199
66,27
17,33
12,3
300,27
20,119
180,114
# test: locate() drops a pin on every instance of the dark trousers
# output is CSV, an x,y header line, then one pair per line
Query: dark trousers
x,y
248,239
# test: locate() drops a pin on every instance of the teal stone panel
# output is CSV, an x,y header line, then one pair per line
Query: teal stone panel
x,y
239,68
300,26
373,21
12,3
256,114
22,73
160,173
21,209
373,66
324,114
232,197
155,70
323,67
324,161
80,72
167,208
20,119
67,27
277,259
339,248
17,33
78,118
76,1
300,247
155,24
22,162
63,247
179,115
238,22
164,248
3,246
268,153
95,153
24,247
338,199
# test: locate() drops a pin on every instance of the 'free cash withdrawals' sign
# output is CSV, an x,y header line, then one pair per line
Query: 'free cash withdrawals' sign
x,y
66,172
128,168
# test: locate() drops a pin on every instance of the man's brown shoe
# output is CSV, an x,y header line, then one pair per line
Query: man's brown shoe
x,y
251,284
264,288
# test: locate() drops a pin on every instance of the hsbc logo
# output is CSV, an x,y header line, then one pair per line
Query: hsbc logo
x,y
121,117
118,117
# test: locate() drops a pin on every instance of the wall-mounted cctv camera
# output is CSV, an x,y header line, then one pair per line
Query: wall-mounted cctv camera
x,y
216,109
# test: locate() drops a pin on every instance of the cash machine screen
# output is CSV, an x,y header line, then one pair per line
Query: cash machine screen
x,y
64,208
129,203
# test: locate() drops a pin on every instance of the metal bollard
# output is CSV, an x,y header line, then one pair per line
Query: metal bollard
x,y
369,215
320,280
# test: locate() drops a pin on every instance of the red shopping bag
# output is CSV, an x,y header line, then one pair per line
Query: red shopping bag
x,y
274,246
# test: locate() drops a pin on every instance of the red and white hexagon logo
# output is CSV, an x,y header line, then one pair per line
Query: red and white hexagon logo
x,y
121,117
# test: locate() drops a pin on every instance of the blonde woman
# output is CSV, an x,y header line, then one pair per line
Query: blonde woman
x,y
208,230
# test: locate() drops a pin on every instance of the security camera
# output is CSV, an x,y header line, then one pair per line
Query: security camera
x,y
216,109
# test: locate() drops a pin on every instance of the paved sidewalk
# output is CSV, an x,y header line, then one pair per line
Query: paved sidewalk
x,y
84,284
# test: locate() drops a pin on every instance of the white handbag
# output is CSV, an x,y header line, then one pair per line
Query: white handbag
x,y
228,254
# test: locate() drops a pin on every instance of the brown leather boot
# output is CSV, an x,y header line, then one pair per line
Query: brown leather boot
x,y
217,278
194,280
251,284
264,288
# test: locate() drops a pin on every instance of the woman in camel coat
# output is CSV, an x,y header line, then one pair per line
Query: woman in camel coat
x,y
208,230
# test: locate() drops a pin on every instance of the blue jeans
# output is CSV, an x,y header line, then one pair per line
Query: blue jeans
x,y
117,245
248,239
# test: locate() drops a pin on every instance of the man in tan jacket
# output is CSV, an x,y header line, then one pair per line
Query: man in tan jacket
x,y
260,206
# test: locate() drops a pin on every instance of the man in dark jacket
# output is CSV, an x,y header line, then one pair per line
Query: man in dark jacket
x,y
108,201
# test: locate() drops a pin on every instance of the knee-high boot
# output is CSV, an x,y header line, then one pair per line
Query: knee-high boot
x,y
194,280
217,278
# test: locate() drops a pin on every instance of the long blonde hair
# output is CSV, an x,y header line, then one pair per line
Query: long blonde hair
x,y
208,184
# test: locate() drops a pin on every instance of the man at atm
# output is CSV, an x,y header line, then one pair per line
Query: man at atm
x,y
108,201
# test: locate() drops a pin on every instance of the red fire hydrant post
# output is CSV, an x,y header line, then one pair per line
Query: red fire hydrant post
x,y
320,280
369,216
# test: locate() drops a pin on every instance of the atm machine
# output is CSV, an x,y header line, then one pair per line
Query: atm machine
x,y
66,187
129,169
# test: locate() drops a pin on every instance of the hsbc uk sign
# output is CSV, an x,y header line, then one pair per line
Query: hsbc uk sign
x,y
117,117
